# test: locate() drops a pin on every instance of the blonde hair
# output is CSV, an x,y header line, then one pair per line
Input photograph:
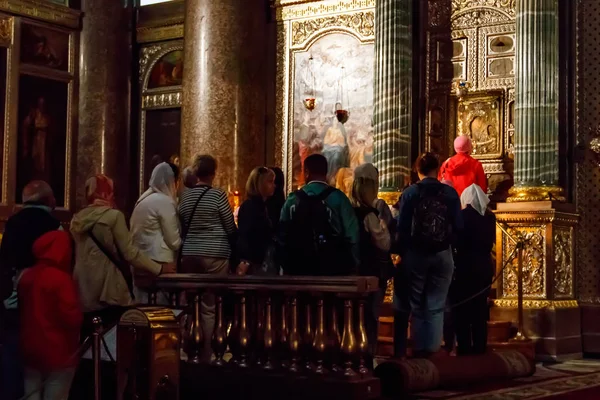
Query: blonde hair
x,y
255,180
364,192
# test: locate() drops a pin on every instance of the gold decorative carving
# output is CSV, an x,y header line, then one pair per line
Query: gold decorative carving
x,y
534,262
563,262
537,193
536,304
493,168
6,31
43,10
479,118
485,81
146,54
162,100
160,33
363,23
390,198
439,13
287,10
505,6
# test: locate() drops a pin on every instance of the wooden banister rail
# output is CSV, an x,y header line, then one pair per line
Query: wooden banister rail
x,y
297,324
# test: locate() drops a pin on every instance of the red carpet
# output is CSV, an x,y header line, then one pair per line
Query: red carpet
x,y
573,380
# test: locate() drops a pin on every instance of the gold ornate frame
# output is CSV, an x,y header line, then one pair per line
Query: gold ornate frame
x,y
71,78
154,99
299,24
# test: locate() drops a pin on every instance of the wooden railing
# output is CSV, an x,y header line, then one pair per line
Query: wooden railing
x,y
300,325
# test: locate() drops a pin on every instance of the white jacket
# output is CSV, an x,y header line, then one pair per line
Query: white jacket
x,y
155,227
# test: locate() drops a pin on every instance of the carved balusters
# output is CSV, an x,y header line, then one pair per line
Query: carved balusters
x,y
219,339
294,338
244,335
309,334
234,333
174,299
283,336
320,340
334,337
195,332
363,342
348,345
152,298
259,338
269,335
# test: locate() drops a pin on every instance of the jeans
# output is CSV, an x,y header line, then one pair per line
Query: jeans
x,y
11,385
430,278
52,386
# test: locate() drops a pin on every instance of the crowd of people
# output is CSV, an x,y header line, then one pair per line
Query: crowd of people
x,y
54,283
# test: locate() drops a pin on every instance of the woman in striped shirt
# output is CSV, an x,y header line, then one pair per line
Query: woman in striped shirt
x,y
208,229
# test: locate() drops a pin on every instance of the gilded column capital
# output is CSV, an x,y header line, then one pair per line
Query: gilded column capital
x,y
535,193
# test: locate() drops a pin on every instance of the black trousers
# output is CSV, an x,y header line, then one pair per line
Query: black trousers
x,y
470,324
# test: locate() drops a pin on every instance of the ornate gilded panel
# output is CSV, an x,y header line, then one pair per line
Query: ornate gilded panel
x,y
496,69
362,23
300,25
563,262
534,262
479,117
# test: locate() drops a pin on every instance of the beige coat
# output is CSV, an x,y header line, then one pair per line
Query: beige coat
x,y
100,283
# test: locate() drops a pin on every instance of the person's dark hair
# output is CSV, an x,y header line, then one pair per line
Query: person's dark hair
x,y
175,170
316,164
205,166
427,163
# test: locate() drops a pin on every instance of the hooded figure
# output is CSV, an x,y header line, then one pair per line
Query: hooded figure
x,y
155,222
51,316
462,169
474,271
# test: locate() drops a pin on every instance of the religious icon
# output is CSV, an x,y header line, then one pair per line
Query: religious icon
x,y
42,133
332,70
44,47
168,71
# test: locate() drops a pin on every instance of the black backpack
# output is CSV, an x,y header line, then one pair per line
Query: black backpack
x,y
431,230
312,247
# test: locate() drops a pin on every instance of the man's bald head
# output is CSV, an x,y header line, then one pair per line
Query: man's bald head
x,y
39,193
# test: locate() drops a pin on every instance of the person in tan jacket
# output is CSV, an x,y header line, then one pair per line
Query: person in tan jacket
x,y
102,240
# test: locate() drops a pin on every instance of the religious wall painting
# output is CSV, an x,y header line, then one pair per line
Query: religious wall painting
x,y
337,70
44,47
162,139
168,71
479,117
42,134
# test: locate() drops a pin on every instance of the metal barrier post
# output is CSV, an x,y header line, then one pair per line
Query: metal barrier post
x,y
520,336
96,348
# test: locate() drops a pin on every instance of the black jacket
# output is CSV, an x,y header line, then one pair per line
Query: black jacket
x,y
20,232
474,268
255,231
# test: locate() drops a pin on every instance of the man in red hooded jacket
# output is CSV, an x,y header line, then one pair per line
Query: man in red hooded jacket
x,y
51,318
462,169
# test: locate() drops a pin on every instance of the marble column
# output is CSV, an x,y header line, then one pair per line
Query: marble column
x,y
536,105
223,112
103,144
392,119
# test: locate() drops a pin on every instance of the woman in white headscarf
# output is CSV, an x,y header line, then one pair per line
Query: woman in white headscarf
x,y
474,271
155,223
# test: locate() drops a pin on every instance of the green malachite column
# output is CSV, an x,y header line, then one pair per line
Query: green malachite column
x,y
392,120
536,103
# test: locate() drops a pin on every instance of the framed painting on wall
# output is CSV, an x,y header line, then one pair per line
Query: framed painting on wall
x,y
168,71
61,2
42,134
44,47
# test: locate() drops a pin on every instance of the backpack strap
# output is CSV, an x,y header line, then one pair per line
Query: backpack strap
x,y
186,228
116,261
